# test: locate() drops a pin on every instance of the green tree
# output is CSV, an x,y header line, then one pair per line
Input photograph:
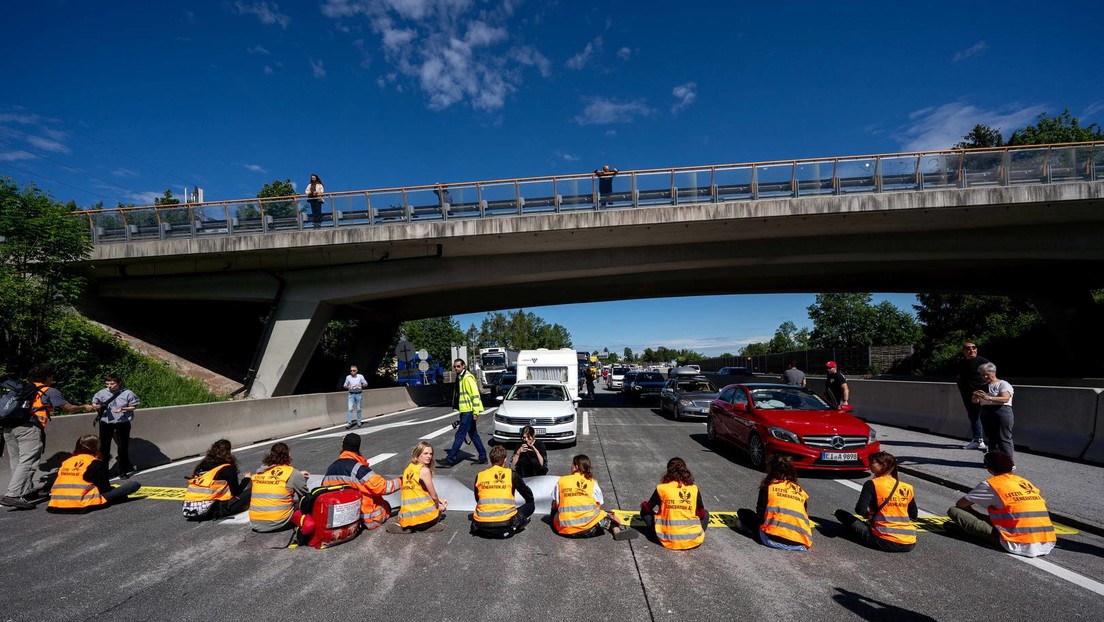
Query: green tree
x,y
521,330
436,335
979,137
276,208
786,338
1064,128
628,354
167,199
754,349
849,320
950,319
41,239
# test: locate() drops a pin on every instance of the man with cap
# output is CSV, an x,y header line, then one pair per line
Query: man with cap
x,y
1018,519
352,469
836,384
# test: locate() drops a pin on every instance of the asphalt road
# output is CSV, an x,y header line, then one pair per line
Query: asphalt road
x,y
142,561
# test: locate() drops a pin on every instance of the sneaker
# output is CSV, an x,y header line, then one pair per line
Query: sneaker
x,y
17,503
481,461
974,444
360,424
982,446
434,528
395,528
349,426
626,533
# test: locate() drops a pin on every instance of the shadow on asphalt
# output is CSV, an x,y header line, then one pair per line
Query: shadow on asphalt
x,y
1074,546
875,610
913,460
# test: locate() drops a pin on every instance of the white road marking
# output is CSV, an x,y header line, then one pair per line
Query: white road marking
x,y
386,426
849,484
379,458
237,519
586,423
434,434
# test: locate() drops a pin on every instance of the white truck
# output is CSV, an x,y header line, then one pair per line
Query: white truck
x,y
493,362
554,365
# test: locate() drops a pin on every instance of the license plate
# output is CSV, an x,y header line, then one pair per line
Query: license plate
x,y
839,457
539,430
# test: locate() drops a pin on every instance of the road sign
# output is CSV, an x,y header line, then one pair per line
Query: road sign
x,y
423,354
404,351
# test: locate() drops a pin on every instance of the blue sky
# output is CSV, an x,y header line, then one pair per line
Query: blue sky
x,y
116,101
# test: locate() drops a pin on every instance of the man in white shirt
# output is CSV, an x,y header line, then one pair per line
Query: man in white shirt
x,y
355,385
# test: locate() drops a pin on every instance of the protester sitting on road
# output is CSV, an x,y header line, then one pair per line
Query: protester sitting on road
x,y
275,487
1018,519
577,506
887,504
422,509
214,490
531,457
82,484
675,513
781,514
496,515
352,469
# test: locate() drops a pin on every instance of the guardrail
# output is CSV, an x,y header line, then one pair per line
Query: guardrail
x,y
898,172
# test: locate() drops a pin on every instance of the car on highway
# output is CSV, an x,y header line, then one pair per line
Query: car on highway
x,y
687,396
547,406
646,384
736,371
616,377
630,376
503,383
765,419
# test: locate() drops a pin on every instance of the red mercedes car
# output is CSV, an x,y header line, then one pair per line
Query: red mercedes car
x,y
767,419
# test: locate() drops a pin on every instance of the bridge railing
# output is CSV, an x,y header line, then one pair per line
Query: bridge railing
x,y
897,172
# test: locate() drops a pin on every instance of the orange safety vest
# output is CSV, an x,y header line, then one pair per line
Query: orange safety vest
x,y
494,495
577,509
70,491
677,525
38,409
272,499
374,510
892,522
417,506
206,487
785,516
1024,519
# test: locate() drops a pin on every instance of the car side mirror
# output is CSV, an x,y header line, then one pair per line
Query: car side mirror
x,y
847,408
739,408
500,398
576,399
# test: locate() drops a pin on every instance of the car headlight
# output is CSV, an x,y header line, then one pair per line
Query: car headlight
x,y
872,437
783,434
501,418
565,419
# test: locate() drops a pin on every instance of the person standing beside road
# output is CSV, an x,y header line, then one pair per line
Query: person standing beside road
x,y
591,376
675,512
577,506
24,442
315,200
82,484
352,469
466,401
214,490
781,515
889,506
605,183
495,514
115,405
275,487
1018,520
836,385
793,375
996,410
355,385
531,457
422,508
968,380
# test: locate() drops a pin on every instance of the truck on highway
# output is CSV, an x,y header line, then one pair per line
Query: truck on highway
x,y
556,365
493,362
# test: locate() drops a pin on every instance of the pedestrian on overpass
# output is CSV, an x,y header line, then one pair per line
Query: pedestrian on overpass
x,y
835,384
496,515
675,512
781,516
889,507
352,469
355,384
466,401
315,200
969,380
1018,520
577,506
82,484
214,490
605,183
275,488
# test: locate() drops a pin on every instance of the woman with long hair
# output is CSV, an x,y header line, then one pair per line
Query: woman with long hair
x,y
82,484
422,508
781,514
275,487
315,200
675,512
888,506
577,505
214,490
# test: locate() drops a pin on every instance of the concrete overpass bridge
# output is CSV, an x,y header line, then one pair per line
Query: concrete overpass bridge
x,y
1005,221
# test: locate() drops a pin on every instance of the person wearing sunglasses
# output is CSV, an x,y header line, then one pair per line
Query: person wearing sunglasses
x,y
466,401
970,379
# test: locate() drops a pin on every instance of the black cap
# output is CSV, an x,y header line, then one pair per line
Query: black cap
x,y
351,442
999,462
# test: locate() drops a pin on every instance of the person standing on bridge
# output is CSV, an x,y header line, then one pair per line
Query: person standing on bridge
x,y
116,405
969,379
315,189
352,469
889,506
466,401
355,385
605,183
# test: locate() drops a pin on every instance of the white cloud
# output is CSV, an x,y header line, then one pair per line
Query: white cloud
x,y
624,53
601,111
267,12
611,133
578,61
14,156
257,49
255,168
1093,108
47,144
124,172
569,158
973,50
940,127
268,70
684,94
317,69
141,198
21,118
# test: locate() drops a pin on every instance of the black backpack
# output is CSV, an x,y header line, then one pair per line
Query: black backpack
x,y
15,405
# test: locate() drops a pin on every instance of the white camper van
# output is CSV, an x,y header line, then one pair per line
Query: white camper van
x,y
554,365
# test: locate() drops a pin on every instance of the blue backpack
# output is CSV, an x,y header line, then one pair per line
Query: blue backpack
x,y
15,405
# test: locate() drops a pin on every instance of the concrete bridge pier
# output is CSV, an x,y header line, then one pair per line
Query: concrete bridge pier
x,y
295,330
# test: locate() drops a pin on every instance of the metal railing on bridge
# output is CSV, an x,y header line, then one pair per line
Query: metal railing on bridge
x,y
897,172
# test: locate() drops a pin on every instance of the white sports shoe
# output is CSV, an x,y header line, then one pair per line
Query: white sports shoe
x,y
982,446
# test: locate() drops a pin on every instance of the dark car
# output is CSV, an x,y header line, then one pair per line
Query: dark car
x,y
765,419
647,384
687,396
626,382
503,383
737,371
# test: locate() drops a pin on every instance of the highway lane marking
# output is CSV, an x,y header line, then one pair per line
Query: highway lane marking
x,y
434,434
386,426
586,423
374,460
1062,573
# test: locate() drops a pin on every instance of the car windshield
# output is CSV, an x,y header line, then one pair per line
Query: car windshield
x,y
650,376
538,393
697,386
783,398
494,361
619,371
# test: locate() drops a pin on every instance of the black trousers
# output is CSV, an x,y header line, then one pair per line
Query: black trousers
x,y
121,433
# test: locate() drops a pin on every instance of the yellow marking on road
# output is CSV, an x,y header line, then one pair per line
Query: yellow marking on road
x,y
159,493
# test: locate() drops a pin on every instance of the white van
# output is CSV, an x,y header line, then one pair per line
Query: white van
x,y
550,365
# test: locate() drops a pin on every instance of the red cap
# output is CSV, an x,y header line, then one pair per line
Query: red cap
x,y
830,364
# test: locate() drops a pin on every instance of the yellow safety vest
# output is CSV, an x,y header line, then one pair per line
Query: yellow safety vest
x,y
207,487
892,522
577,509
469,394
272,499
677,525
417,506
494,494
1024,518
70,491
785,516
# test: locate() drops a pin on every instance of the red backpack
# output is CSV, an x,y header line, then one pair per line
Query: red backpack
x,y
327,516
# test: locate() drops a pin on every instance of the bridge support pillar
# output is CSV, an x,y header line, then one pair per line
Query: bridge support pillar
x,y
296,329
